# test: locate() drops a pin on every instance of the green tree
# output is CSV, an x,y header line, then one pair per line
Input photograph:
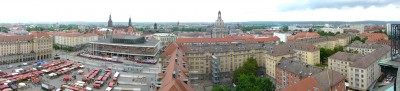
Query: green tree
x,y
380,31
364,39
221,88
249,68
285,28
310,30
322,33
249,28
4,29
253,83
325,53
189,29
281,42
357,38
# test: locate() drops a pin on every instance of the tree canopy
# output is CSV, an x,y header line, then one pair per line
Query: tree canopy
x,y
322,33
4,29
253,83
221,88
249,28
325,53
246,80
285,28
248,68
189,29
357,38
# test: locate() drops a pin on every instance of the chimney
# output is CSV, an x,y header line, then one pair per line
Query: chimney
x,y
185,81
174,74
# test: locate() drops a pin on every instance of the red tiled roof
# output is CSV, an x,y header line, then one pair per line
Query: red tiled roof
x,y
376,36
304,85
241,37
15,38
99,32
39,34
263,39
171,83
365,34
303,35
203,40
170,48
227,39
306,34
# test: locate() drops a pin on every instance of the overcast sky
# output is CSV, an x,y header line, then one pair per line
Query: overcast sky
x,y
198,10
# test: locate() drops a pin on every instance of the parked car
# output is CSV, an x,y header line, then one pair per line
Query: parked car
x,y
9,66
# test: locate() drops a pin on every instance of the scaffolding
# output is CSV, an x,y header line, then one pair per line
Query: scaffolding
x,y
215,72
395,39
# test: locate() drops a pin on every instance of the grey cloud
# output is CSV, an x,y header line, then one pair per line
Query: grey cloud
x,y
336,4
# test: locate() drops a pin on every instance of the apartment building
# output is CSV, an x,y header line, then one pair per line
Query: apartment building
x,y
362,48
165,38
300,51
274,55
327,80
329,42
73,39
290,71
341,61
42,45
305,52
303,35
231,57
332,30
21,48
366,70
360,68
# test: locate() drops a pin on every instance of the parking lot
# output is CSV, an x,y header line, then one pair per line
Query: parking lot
x,y
131,78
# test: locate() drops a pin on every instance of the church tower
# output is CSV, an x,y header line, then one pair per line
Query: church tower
x,y
219,30
130,22
130,27
110,23
155,25
219,23
110,26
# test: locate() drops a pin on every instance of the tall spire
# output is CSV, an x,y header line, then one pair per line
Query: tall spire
x,y
219,14
130,23
110,23
155,25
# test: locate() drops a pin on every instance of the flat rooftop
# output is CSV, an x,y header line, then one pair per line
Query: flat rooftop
x,y
148,43
126,37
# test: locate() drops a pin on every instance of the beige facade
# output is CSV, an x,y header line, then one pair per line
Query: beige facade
x,y
341,61
361,70
74,39
329,42
302,52
366,70
36,46
231,57
165,38
271,61
305,52
361,48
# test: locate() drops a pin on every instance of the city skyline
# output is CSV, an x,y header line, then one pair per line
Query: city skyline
x,y
199,11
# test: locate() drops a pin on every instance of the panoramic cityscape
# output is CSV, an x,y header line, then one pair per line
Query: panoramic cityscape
x,y
175,45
